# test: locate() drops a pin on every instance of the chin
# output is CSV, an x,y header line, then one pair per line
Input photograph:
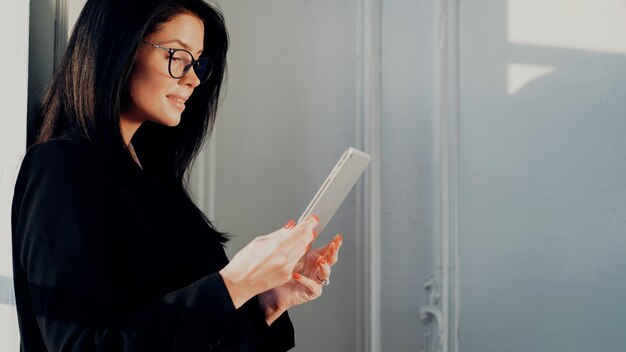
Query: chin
x,y
173,123
168,121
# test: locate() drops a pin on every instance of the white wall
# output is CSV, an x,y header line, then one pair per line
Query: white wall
x,y
542,175
304,81
288,113
13,98
501,142
407,166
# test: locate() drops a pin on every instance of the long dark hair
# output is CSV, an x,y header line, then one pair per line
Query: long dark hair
x,y
89,88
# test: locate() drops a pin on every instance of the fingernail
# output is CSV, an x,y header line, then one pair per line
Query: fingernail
x,y
315,217
314,234
297,276
290,224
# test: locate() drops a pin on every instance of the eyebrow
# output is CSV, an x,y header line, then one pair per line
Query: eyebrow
x,y
183,44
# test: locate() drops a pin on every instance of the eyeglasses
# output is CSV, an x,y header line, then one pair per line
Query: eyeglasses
x,y
182,60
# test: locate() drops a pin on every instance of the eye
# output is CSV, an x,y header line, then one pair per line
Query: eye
x,y
182,57
176,56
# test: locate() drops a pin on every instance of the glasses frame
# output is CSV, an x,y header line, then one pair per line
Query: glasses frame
x,y
193,63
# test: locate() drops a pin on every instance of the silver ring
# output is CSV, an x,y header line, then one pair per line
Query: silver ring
x,y
324,282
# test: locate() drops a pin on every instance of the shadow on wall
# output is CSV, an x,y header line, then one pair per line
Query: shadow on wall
x,y
40,59
542,175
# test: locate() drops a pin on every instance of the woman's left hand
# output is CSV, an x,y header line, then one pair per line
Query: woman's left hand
x,y
308,280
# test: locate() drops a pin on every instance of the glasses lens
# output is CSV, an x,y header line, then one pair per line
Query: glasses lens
x,y
179,60
202,68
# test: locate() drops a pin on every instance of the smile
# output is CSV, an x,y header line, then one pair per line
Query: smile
x,y
177,102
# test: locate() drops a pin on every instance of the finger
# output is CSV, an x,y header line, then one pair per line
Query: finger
x,y
332,252
323,250
305,233
339,239
291,223
285,229
324,269
308,226
313,287
296,237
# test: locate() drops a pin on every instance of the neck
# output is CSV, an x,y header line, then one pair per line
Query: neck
x,y
128,127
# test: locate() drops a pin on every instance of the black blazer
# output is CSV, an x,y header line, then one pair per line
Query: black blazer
x,y
108,257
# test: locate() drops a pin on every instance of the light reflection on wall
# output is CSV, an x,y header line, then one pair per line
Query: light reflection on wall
x,y
569,24
519,75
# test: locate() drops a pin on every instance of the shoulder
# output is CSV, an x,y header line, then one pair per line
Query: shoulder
x,y
59,158
58,150
54,175
61,153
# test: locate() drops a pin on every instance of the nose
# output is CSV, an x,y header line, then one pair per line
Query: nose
x,y
190,78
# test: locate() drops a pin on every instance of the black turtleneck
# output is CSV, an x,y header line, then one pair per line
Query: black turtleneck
x,y
108,257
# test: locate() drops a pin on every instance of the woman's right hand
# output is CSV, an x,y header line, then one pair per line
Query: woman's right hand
x,y
268,261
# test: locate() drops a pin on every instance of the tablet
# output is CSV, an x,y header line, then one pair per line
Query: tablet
x,y
338,184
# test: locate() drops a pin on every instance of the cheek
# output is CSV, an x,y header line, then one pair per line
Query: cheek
x,y
146,90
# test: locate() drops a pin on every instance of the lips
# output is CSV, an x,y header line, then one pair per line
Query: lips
x,y
178,101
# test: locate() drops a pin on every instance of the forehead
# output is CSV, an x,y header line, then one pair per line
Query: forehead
x,y
185,28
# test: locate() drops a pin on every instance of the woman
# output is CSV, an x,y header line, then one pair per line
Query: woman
x,y
110,253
